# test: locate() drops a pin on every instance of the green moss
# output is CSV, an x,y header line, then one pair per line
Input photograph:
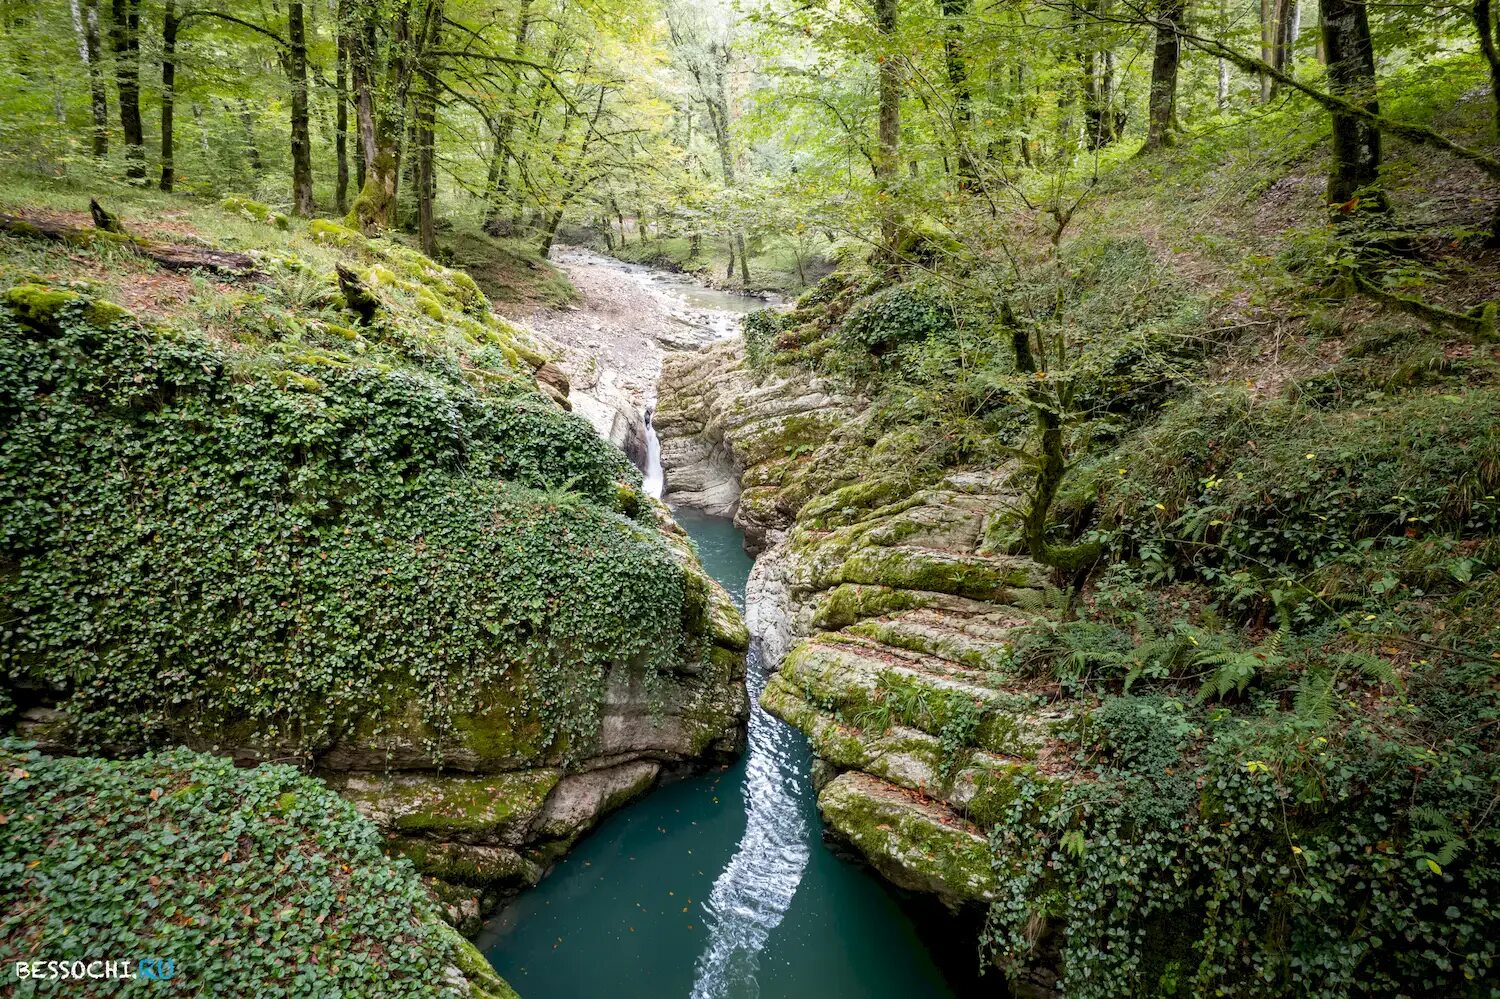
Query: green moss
x,y
847,603
333,234
852,503
909,843
483,982
457,806
915,569
484,867
977,653
429,306
40,303
253,210
105,314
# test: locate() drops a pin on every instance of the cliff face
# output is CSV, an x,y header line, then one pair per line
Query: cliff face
x,y
737,445
888,612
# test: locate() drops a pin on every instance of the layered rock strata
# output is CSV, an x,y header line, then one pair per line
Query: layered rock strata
x,y
890,612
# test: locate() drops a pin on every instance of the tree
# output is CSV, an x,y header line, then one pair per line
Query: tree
x,y
888,146
1279,23
295,62
86,27
124,33
1168,54
954,61
169,27
1351,77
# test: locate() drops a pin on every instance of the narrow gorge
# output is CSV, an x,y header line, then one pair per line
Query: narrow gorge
x,y
750,499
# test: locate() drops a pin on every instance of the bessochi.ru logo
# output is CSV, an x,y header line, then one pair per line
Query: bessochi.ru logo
x,y
151,969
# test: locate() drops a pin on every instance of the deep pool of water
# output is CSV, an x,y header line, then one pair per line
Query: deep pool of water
x,y
717,885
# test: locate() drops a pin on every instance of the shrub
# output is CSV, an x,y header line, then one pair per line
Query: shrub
x,y
219,546
255,882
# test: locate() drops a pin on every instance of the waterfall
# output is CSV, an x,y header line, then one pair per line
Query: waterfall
x,y
655,479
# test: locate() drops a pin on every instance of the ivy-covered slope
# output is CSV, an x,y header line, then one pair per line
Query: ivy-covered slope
x,y
238,882
289,545
250,518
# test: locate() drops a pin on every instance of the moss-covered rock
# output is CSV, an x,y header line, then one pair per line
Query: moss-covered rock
x,y
494,808
488,868
920,846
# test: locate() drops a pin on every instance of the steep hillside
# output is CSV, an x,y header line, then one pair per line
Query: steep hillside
x,y
1223,723
324,506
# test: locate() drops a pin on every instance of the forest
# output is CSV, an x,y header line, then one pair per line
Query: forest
x,y
1031,464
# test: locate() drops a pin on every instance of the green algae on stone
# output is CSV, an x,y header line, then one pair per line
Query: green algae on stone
x,y
989,579
40,303
484,983
483,867
480,807
915,844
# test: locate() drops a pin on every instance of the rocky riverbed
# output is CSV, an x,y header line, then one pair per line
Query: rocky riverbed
x,y
612,340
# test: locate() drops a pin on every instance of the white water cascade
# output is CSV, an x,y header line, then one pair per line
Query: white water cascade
x,y
755,889
655,479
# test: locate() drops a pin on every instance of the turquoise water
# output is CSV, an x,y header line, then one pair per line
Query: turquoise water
x,y
717,885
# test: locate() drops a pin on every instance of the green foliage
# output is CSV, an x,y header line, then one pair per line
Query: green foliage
x,y
280,548
1229,847
760,330
897,315
255,882
1281,503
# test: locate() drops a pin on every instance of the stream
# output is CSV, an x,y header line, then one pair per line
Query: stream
x,y
716,885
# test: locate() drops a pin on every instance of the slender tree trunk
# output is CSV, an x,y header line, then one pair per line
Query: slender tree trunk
x,y
426,115
1486,27
1164,65
1278,33
168,91
888,151
86,25
295,63
252,150
125,39
341,119
203,146
1351,76
958,81
504,124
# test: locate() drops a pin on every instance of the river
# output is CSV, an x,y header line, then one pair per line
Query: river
x,y
719,884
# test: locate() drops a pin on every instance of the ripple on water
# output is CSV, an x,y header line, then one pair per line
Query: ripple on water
x,y
715,886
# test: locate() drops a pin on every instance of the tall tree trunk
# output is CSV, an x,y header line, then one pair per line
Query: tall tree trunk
x,y
168,91
888,150
341,119
504,124
252,150
1351,76
958,81
426,114
1487,28
296,71
125,39
1164,65
1278,33
86,25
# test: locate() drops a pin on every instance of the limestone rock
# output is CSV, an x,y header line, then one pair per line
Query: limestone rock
x,y
918,845
580,800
